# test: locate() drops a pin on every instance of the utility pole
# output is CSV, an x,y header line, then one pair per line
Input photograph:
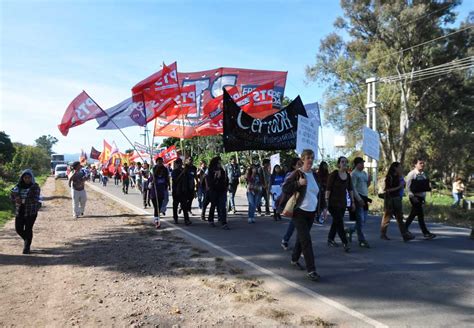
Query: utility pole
x,y
371,123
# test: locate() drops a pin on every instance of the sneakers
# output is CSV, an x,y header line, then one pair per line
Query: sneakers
x,y
348,234
284,245
332,243
157,222
313,276
297,265
234,211
429,236
225,227
384,237
347,248
268,213
187,222
364,244
251,220
408,237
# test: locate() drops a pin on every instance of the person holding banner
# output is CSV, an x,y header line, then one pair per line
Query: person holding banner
x,y
201,175
265,172
303,185
339,183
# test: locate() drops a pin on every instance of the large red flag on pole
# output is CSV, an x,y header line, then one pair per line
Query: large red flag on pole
x,y
79,111
158,91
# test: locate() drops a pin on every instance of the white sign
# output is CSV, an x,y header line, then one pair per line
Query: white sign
x,y
313,112
371,143
275,160
307,135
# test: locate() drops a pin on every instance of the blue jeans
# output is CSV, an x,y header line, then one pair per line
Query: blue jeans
x,y
232,192
200,196
253,199
361,217
457,198
289,231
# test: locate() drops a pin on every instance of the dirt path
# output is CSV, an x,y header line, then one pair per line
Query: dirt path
x,y
113,269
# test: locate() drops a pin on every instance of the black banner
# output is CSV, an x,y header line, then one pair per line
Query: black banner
x,y
274,132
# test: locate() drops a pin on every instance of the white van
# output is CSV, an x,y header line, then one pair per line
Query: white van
x,y
60,171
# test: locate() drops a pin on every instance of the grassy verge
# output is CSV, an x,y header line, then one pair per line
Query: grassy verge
x,y
437,209
6,206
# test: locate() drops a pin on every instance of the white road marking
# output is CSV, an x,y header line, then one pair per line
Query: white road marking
x,y
283,280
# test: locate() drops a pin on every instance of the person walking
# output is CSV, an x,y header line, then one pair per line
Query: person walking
x,y
217,181
458,190
77,182
233,175
323,174
192,170
26,195
276,180
417,185
265,173
393,202
133,176
201,174
138,176
116,176
181,190
158,184
125,176
304,181
145,190
296,163
360,182
255,183
339,183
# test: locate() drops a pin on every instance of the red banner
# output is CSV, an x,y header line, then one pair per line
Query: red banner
x,y
79,111
158,91
170,154
209,86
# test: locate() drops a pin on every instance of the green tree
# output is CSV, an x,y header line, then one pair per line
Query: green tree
x,y
29,157
6,148
368,42
46,143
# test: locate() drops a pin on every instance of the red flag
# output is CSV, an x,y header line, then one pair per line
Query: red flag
x,y
79,111
158,91
258,103
169,154
185,102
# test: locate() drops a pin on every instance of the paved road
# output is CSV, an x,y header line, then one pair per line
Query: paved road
x,y
416,284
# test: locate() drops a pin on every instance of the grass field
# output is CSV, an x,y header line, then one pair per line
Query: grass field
x,y
6,206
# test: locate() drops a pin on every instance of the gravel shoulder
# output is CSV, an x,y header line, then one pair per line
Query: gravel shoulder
x,y
112,268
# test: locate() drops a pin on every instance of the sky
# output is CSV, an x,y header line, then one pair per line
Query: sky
x,y
52,50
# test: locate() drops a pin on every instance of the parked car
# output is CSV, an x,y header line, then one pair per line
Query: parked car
x,y
60,171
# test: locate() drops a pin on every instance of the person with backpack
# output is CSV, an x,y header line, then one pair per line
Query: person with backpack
x,y
26,197
276,181
296,163
417,185
125,178
393,202
339,183
182,190
303,185
217,182
158,184
233,175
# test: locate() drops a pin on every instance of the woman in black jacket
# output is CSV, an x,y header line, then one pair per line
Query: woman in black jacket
x,y
217,182
26,195
304,182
